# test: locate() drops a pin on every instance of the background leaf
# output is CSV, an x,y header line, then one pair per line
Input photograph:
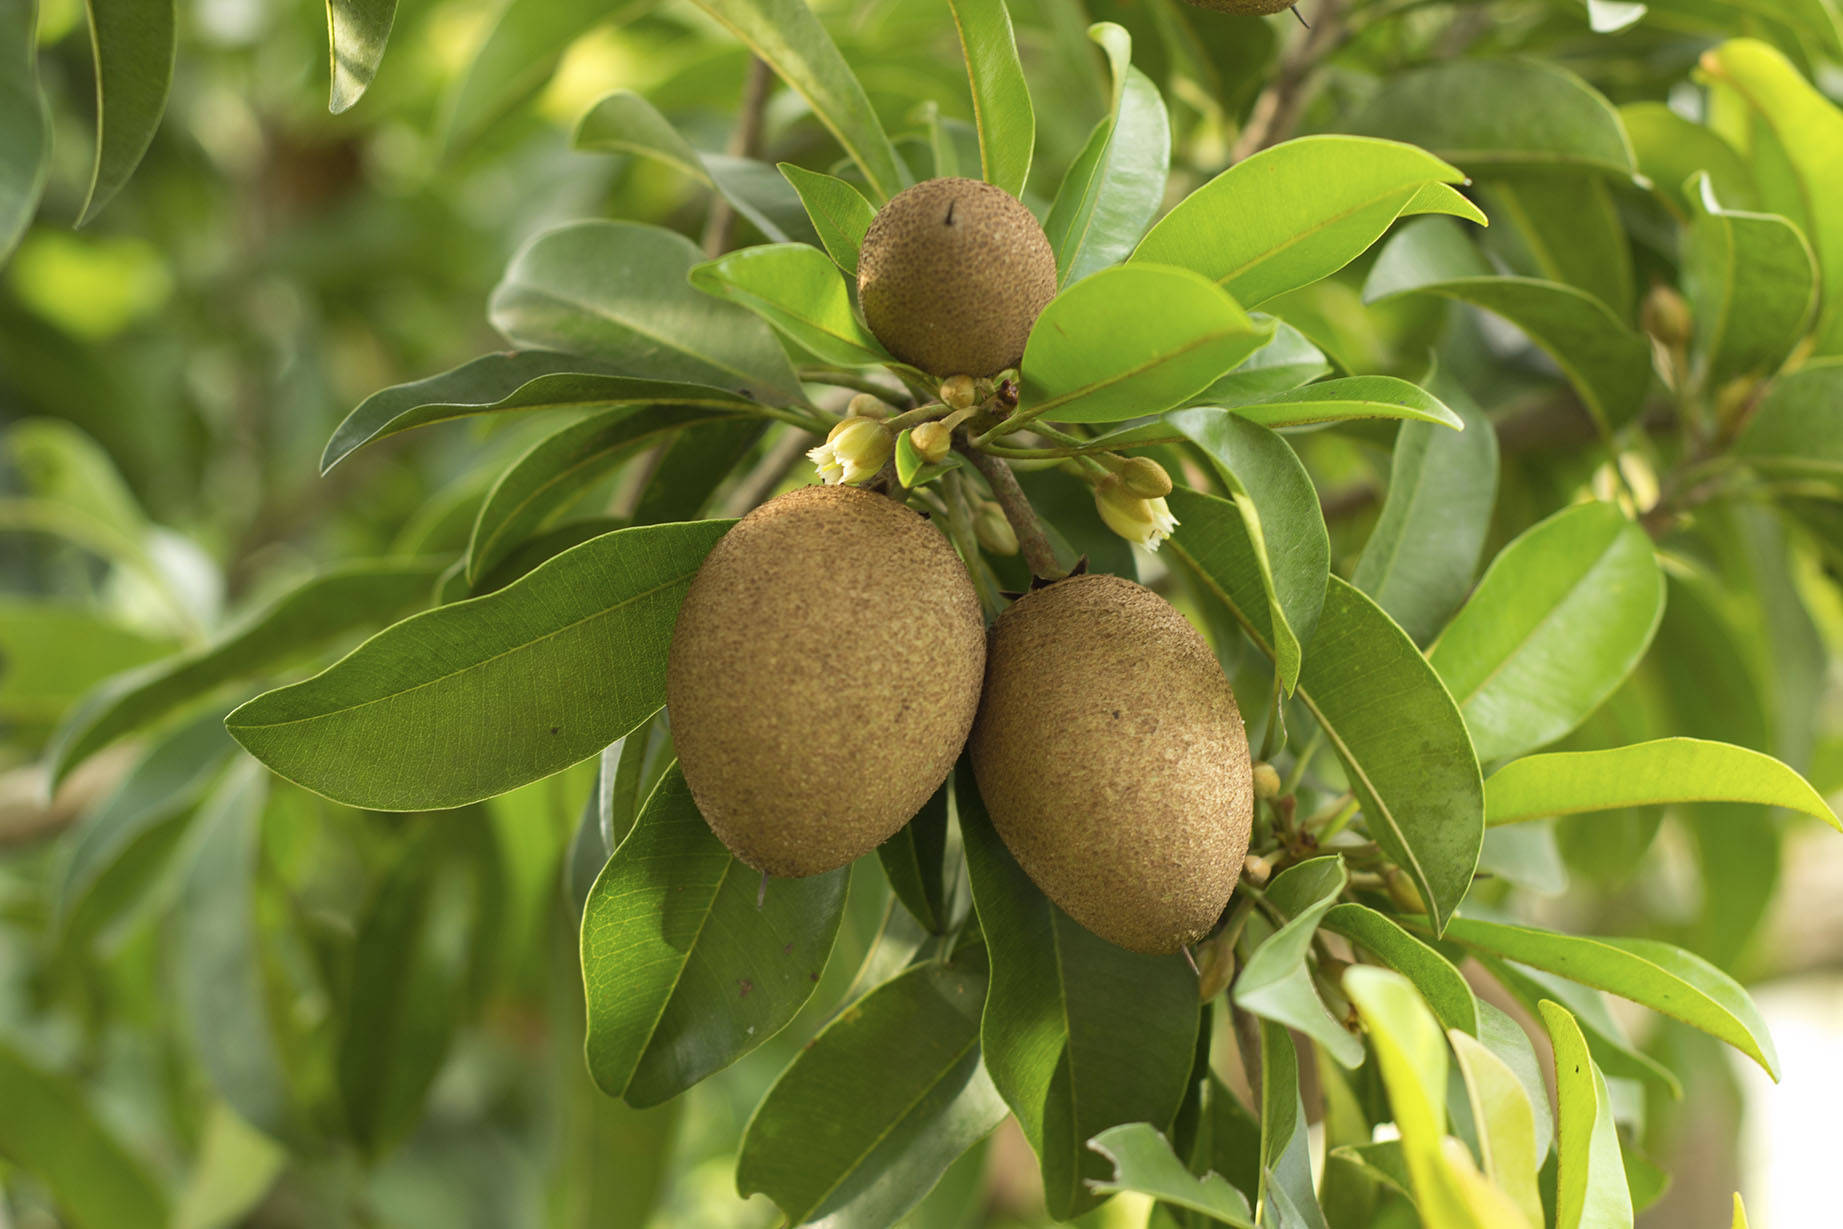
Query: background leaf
x,y
1288,1198
1795,426
1143,1161
135,43
25,129
356,31
1751,286
1355,397
1001,95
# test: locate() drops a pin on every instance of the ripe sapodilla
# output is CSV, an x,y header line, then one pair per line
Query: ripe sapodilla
x,y
951,275
1113,760
823,675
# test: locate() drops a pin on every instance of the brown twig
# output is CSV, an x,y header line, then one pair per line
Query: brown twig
x,y
745,142
1277,110
1037,552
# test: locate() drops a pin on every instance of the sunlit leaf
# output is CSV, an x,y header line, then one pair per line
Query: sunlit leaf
x,y
135,42
356,31
1590,1179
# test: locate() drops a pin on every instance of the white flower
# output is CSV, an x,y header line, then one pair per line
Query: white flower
x,y
855,450
1145,521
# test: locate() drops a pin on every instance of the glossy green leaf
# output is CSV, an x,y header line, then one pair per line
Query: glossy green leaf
x,y
1275,981
1422,555
1590,1186
1001,95
134,41
303,621
617,292
1505,1122
1143,1161
1661,977
1672,149
1611,1048
1480,114
1130,341
1292,214
838,211
1285,363
826,1152
1116,185
1346,399
50,1132
356,31
1287,1197
1079,1035
1751,282
1663,771
1434,976
25,125
1280,520
1409,760
684,973
788,35
1607,362
565,660
1507,1041
915,863
516,56
798,290
1563,228
1796,427
1560,618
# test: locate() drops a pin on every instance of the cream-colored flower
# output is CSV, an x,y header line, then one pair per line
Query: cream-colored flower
x,y
1145,521
854,450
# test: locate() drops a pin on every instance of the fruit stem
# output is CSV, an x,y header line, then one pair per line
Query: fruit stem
x,y
848,379
1034,546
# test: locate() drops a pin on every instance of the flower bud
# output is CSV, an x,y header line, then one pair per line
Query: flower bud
x,y
1135,518
1215,966
1145,478
1665,315
869,405
1402,891
933,440
1266,781
993,530
960,392
854,450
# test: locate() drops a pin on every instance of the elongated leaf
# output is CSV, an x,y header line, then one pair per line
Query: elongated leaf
x,y
693,468
25,127
558,468
1355,397
1663,771
1563,227
1562,615
823,1151
1079,1035
1795,428
790,38
54,652
1275,982
1611,1048
1114,188
915,863
356,31
1506,1040
1505,1121
1133,340
1143,1161
796,289
1607,362
1286,362
470,700
1480,114
839,213
684,974
1590,1186
515,57
1671,150
1001,95
1409,759
1287,1197
135,41
50,1132
295,625
1292,214
617,292
1434,976
1751,282
1661,977
1281,519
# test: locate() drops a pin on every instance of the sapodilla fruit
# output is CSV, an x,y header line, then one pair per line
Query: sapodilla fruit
x,y
951,275
823,675
1113,760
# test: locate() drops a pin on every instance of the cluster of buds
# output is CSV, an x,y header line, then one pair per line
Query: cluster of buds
x,y
854,450
1132,502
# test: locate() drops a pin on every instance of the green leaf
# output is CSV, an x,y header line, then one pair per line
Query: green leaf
x,y
1590,1185
1560,618
1355,397
1292,214
788,35
1130,341
557,469
1795,429
915,863
1423,553
823,1150
53,652
1563,228
1434,976
1001,95
301,622
1671,150
470,700
1280,519
1505,1121
1663,771
1481,114
1275,982
515,380
517,55
798,290
1284,363
1607,362
1661,977
1115,186
1605,1038
689,473
617,292
1079,1035
1143,1161
356,31
25,125
839,213
135,41
1530,856
684,973
50,1133
1287,1197
1751,282
1505,1038
1409,760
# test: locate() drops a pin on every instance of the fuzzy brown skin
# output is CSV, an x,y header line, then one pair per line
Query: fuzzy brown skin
x,y
1246,8
952,274
823,676
1112,757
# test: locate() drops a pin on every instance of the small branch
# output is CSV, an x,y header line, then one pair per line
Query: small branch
x,y
1010,496
1277,110
769,472
745,142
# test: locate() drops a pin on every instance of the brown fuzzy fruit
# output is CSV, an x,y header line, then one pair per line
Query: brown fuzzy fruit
x,y
951,275
822,678
1113,760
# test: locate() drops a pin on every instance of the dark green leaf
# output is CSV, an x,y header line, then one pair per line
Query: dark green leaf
x,y
1288,1199
356,31
1434,976
134,42
839,213
693,468
51,653
1751,282
1590,1178
915,862
1143,1161
1562,228
1001,95
25,128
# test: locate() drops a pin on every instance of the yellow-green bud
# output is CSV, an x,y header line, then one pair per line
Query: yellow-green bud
x,y
1257,869
1215,966
869,405
960,392
1266,781
993,530
1134,517
1665,315
854,450
1145,478
1402,891
933,440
